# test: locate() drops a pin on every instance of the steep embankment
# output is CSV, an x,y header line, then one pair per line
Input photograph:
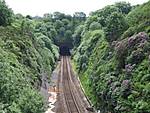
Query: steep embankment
x,y
28,56
22,62
114,62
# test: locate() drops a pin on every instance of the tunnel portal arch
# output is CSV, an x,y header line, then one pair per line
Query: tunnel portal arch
x,y
64,50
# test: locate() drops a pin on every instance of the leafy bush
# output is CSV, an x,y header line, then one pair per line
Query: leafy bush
x,y
95,26
116,25
5,14
115,67
24,57
139,15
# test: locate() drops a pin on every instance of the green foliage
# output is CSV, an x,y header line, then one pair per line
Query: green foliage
x,y
118,75
77,35
16,89
139,15
64,26
113,62
90,39
47,17
27,54
105,12
124,7
111,52
136,29
80,15
5,14
111,19
116,25
95,26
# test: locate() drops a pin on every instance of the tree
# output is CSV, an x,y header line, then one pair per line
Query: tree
x,y
27,26
58,24
78,18
95,26
69,17
5,14
58,15
19,16
80,15
124,7
65,21
68,35
77,35
104,13
47,17
116,25
62,31
29,17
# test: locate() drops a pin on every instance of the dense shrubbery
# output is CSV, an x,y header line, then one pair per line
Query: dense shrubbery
x,y
138,20
111,52
27,54
5,14
60,27
25,57
19,71
113,63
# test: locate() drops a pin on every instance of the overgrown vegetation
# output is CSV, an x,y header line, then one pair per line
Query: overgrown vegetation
x,y
111,53
26,55
5,14
113,58
61,27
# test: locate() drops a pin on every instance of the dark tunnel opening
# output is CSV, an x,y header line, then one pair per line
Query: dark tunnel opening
x,y
64,50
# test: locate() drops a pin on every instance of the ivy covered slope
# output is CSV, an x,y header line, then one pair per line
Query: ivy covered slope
x,y
26,54
113,58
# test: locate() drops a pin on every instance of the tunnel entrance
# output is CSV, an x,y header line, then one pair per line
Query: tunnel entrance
x,y
64,50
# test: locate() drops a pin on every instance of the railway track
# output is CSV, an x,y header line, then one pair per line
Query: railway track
x,y
72,101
